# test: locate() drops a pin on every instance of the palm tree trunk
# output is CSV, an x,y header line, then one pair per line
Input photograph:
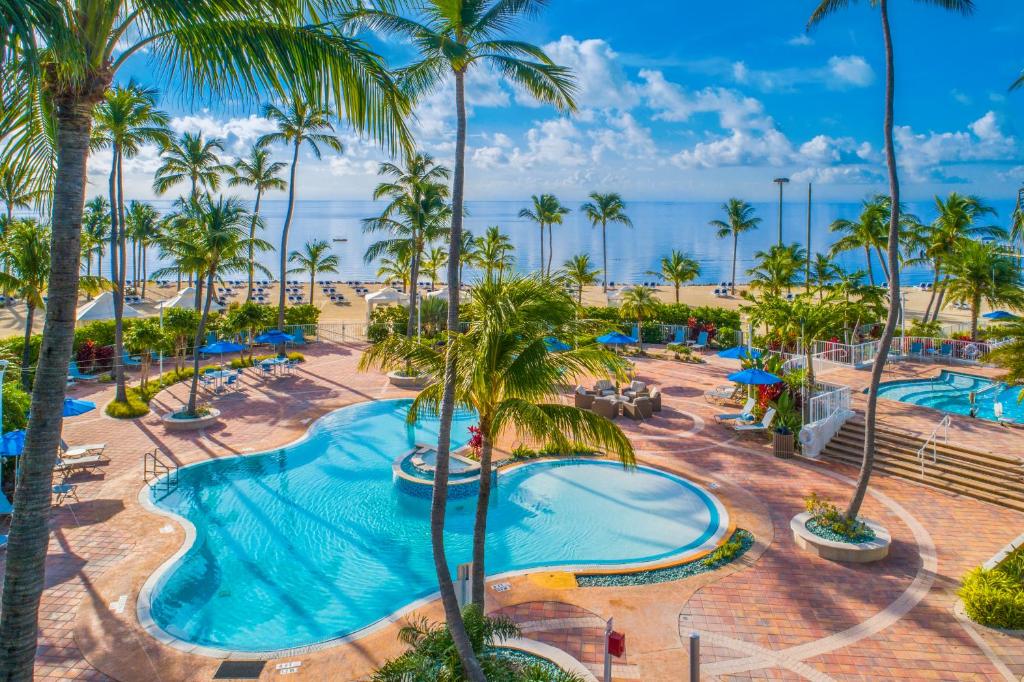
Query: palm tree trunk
x,y
25,574
942,295
145,273
885,266
26,349
542,249
121,391
894,279
312,284
480,526
935,290
252,247
193,391
975,309
551,246
115,275
871,269
604,253
439,502
284,242
677,293
414,274
735,245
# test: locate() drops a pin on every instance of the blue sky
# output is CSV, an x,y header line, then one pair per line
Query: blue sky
x,y
701,101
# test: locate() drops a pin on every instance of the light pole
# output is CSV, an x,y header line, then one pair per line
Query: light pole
x,y
780,182
807,284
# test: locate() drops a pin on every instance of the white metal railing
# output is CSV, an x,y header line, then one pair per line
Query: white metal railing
x,y
853,355
929,348
828,399
932,440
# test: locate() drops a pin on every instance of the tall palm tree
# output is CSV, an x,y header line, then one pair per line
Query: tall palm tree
x,y
417,214
142,224
739,218
825,9
639,303
299,123
678,268
194,159
867,232
601,210
261,174
18,188
493,253
777,268
980,272
823,272
95,230
315,257
451,37
547,211
467,248
581,273
506,373
434,261
397,268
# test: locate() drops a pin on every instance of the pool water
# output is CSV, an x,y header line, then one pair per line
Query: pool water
x,y
950,392
314,541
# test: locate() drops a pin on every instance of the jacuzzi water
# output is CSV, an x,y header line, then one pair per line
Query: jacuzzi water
x,y
314,541
951,391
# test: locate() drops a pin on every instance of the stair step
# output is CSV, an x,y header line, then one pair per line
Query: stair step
x,y
958,465
901,435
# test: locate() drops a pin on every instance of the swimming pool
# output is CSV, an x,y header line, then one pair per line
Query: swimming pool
x,y
950,392
314,542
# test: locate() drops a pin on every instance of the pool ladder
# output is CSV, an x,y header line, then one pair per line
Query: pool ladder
x,y
933,440
158,473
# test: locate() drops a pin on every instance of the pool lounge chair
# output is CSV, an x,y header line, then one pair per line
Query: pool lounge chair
x,y
680,336
746,415
129,361
73,451
701,343
721,393
655,397
762,425
77,375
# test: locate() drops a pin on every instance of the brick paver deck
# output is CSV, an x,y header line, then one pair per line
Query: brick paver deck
x,y
777,614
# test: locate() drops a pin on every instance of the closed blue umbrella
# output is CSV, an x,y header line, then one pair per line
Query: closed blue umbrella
x,y
554,345
274,336
999,315
615,339
12,444
739,353
221,347
754,377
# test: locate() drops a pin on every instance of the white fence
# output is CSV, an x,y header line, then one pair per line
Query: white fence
x,y
927,348
828,410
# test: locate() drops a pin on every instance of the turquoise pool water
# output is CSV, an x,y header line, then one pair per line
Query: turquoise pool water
x,y
950,392
314,542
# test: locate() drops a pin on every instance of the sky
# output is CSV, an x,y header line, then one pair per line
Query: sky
x,y
687,101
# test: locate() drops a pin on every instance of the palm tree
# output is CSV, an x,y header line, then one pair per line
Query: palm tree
x,y
417,214
777,268
397,268
868,232
581,273
453,36
678,268
301,123
261,174
145,337
603,209
740,218
315,257
981,272
18,187
508,376
825,9
639,303
824,271
192,159
547,211
493,252
95,230
467,248
142,224
434,261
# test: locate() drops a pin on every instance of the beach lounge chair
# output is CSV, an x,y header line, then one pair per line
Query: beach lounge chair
x,y
71,452
77,375
745,415
605,407
297,335
69,467
604,388
129,361
680,336
638,409
762,425
635,390
701,343
916,348
721,393
63,491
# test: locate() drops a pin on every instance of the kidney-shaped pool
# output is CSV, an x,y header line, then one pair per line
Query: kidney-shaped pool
x,y
314,542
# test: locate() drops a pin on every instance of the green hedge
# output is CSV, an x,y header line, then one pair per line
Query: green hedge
x,y
996,598
674,313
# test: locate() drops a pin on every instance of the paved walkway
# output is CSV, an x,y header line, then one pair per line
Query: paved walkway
x,y
778,613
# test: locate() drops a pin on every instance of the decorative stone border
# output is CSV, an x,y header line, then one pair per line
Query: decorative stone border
x,y
556,656
173,424
399,380
848,552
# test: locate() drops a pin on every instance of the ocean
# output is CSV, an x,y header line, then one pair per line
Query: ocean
x,y
658,227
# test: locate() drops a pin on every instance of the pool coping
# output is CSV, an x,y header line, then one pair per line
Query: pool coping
x,y
143,603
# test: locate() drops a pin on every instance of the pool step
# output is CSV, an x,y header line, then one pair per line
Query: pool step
x,y
996,479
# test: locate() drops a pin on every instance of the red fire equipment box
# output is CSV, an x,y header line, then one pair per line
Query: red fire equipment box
x,y
617,644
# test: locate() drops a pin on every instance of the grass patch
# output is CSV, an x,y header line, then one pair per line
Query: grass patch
x,y
137,404
996,598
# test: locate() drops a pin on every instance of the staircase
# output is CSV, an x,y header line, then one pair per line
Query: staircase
x,y
997,479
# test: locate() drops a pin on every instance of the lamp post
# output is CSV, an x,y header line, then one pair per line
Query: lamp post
x,y
780,182
807,276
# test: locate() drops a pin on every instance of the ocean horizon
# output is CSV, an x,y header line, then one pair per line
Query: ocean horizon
x,y
658,228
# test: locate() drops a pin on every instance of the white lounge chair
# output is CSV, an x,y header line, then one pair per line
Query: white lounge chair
x,y
746,415
73,451
762,425
67,467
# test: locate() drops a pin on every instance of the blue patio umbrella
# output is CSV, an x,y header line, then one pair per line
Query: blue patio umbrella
x,y
754,377
12,444
554,345
999,315
221,347
615,339
74,407
274,336
739,353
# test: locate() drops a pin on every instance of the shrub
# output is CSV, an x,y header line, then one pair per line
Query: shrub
x,y
920,328
15,406
996,597
827,516
727,552
132,408
521,452
302,314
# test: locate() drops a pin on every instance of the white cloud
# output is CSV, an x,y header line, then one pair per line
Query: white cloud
x,y
839,73
922,153
555,142
672,103
238,133
740,148
852,71
602,81
801,40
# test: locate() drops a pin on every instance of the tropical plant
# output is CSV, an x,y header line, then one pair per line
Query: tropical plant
x,y
639,303
315,257
581,273
397,268
192,159
824,272
145,337
677,268
451,37
777,268
18,188
825,9
417,214
299,123
978,272
506,373
248,318
180,325
261,174
547,211
739,219
432,654
142,225
493,253
601,210
867,232
434,261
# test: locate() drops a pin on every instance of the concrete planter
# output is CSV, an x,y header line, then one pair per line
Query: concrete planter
x,y
399,380
173,424
846,552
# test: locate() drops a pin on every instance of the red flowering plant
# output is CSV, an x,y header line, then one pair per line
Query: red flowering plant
x,y
476,441
86,355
